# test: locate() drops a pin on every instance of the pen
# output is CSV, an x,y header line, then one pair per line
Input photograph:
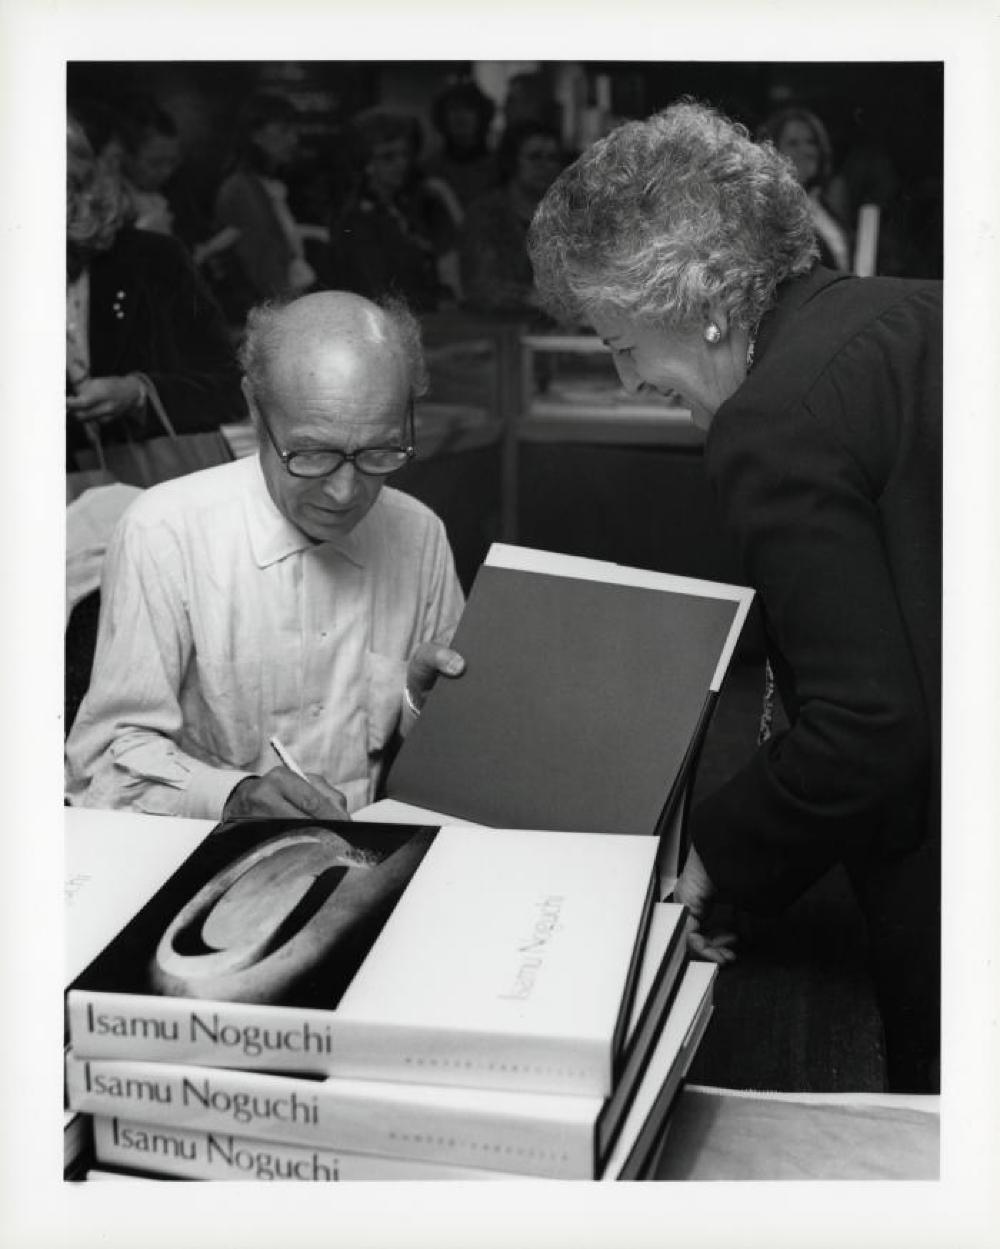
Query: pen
x,y
282,753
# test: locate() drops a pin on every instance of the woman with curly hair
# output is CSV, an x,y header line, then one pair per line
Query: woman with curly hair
x,y
690,250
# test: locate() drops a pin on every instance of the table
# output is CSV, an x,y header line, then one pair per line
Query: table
x,y
721,1134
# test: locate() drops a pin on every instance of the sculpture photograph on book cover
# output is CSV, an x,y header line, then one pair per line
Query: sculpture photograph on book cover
x,y
271,913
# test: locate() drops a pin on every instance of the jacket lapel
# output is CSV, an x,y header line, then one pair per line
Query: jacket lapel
x,y
112,314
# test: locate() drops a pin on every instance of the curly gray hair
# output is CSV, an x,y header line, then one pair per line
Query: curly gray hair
x,y
667,215
96,203
261,335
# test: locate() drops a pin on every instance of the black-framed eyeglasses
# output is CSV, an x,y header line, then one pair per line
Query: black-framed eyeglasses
x,y
323,461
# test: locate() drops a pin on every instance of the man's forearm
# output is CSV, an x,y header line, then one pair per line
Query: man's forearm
x,y
147,772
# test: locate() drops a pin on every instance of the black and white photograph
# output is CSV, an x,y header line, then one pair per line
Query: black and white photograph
x,y
509,677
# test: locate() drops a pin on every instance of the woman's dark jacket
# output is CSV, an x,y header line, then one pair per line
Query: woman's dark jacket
x,y
151,313
827,467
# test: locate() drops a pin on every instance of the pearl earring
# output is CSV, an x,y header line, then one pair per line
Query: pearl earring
x,y
712,333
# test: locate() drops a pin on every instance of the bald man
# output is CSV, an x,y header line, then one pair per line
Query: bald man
x,y
288,595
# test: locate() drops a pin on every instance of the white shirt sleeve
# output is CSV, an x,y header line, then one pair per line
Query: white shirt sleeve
x,y
122,751
444,599
443,604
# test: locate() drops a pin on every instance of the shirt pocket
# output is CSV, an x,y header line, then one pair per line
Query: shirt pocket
x,y
385,677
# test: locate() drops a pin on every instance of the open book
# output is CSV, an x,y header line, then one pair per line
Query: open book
x,y
587,693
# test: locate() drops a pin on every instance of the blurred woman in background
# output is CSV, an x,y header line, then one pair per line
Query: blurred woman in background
x,y
462,114
102,126
496,272
800,135
152,154
252,208
139,320
398,226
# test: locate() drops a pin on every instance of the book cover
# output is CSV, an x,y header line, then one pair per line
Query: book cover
x,y
183,1153
514,1132
587,689
112,865
659,982
456,956
171,1151
105,1175
76,1140
646,1121
671,834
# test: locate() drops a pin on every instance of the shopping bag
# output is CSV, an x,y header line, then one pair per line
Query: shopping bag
x,y
159,459
155,459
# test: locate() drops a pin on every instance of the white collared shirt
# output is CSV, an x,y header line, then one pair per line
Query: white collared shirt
x,y
222,625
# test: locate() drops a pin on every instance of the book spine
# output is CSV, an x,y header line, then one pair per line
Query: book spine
x,y
642,1042
302,1040
186,1153
643,1148
395,1121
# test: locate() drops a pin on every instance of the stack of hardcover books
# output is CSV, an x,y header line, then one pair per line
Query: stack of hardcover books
x,y
439,989
363,1001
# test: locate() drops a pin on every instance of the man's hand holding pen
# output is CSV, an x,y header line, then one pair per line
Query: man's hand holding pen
x,y
289,791
286,791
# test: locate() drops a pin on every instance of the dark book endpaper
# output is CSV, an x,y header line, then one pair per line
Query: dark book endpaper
x,y
581,707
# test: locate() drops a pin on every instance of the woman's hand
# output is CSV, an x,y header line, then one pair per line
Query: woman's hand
x,y
696,891
103,398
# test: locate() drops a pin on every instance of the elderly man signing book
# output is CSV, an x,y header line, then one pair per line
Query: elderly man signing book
x,y
288,595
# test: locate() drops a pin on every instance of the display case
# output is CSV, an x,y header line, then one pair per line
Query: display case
x,y
460,424
592,470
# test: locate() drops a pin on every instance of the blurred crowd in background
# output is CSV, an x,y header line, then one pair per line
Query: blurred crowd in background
x,y
198,189
421,180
